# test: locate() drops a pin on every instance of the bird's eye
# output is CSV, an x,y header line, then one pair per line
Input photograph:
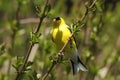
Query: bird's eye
x,y
57,18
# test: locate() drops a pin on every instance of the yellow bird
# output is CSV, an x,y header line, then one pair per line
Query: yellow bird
x,y
60,34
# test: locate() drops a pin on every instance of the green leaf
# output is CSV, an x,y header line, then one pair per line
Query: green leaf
x,y
29,63
34,37
34,76
28,66
18,64
38,10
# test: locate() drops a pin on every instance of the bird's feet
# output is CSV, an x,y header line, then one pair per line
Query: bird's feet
x,y
60,54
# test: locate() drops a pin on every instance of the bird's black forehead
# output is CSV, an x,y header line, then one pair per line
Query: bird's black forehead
x,y
57,18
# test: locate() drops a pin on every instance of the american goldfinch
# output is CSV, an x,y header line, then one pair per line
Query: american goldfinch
x,y
60,34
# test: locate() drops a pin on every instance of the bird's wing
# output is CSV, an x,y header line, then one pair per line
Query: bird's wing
x,y
72,36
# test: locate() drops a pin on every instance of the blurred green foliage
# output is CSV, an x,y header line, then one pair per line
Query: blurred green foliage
x,y
98,39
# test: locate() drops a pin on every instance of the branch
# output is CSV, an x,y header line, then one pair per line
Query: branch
x,y
15,30
32,44
52,66
92,4
43,15
64,46
55,62
86,12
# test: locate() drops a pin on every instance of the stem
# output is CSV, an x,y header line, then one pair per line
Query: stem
x,y
66,43
42,16
92,4
24,62
31,45
54,62
15,30
45,76
86,12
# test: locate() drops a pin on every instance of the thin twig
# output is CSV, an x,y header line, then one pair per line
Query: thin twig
x,y
66,43
15,30
64,46
86,12
24,62
52,66
31,45
42,16
92,4
54,62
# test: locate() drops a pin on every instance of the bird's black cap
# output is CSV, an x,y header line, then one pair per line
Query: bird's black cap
x,y
57,18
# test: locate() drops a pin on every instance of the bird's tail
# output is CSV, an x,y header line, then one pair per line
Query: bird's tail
x,y
77,65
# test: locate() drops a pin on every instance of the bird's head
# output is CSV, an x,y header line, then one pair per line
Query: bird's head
x,y
58,21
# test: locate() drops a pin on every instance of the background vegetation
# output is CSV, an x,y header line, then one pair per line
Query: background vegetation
x,y
26,48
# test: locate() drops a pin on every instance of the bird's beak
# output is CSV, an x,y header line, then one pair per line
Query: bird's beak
x,y
54,20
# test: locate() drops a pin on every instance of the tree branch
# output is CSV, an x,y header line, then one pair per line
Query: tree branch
x,y
64,46
55,62
42,16
86,12
32,44
52,66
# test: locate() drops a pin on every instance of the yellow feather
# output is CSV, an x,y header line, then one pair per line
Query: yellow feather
x,y
60,34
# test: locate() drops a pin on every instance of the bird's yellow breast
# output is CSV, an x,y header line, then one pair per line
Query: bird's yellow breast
x,y
61,35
